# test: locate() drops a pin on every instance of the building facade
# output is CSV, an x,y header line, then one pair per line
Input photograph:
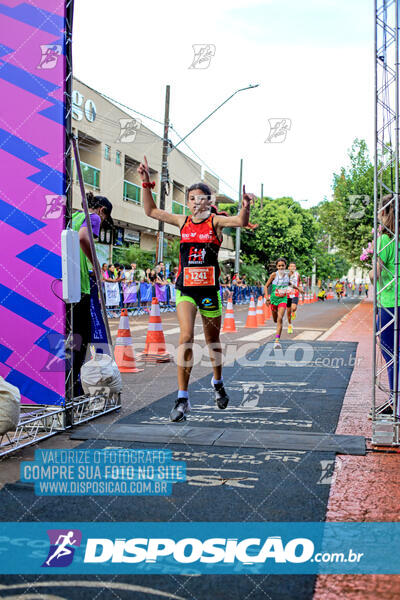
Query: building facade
x,y
111,145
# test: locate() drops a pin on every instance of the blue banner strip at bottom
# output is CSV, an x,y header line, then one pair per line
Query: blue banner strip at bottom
x,y
201,548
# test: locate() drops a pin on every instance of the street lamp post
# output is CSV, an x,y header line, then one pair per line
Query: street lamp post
x,y
249,87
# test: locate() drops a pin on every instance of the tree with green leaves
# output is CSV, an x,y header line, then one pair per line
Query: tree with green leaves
x,y
349,216
285,229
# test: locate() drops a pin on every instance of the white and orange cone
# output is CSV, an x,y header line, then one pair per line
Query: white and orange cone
x,y
229,321
252,315
123,353
260,312
155,349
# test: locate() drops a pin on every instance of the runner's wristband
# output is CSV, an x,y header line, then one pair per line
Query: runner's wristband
x,y
148,184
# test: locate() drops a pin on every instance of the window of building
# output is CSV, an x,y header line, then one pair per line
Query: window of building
x,y
91,176
118,157
132,192
179,199
179,209
107,152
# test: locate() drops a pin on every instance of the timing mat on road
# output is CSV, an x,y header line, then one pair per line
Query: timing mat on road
x,y
283,404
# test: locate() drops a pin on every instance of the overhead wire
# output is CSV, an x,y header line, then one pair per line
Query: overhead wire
x,y
112,123
210,169
110,126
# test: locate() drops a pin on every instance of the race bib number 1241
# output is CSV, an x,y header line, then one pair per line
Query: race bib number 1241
x,y
198,276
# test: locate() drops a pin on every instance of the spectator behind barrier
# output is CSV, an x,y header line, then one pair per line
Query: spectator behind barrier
x,y
104,272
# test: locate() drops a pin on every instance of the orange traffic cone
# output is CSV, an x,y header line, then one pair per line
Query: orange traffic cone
x,y
155,349
229,321
123,353
252,315
260,312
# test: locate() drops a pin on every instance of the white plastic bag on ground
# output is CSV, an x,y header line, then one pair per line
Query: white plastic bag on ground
x,y
100,375
10,399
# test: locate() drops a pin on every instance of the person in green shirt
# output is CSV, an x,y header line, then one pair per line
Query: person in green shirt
x,y
100,210
385,295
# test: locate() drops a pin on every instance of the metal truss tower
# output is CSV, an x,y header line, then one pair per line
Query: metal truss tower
x,y
386,221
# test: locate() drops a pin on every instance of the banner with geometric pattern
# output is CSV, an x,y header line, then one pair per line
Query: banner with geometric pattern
x,y
32,197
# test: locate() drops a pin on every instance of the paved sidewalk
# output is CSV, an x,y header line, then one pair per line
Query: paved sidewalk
x,y
365,488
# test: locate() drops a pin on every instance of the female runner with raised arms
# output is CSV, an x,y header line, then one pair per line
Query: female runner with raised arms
x,y
197,282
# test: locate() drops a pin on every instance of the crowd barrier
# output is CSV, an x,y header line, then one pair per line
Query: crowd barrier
x,y
136,297
241,294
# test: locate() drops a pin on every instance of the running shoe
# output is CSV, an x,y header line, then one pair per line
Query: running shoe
x,y
178,413
221,397
290,329
277,345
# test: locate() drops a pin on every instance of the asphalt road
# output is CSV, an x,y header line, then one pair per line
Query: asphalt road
x,y
302,491
155,381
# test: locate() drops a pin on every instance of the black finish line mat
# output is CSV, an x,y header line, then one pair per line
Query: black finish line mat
x,y
272,391
212,436
223,483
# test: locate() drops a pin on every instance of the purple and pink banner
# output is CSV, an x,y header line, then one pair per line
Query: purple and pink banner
x,y
161,292
130,293
32,200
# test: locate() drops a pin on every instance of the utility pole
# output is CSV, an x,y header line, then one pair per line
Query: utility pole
x,y
238,229
164,178
262,196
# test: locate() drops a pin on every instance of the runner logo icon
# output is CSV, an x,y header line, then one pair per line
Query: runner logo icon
x,y
61,551
196,255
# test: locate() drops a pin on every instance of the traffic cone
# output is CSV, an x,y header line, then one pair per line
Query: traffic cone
x,y
155,349
229,321
123,353
260,312
315,297
252,315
